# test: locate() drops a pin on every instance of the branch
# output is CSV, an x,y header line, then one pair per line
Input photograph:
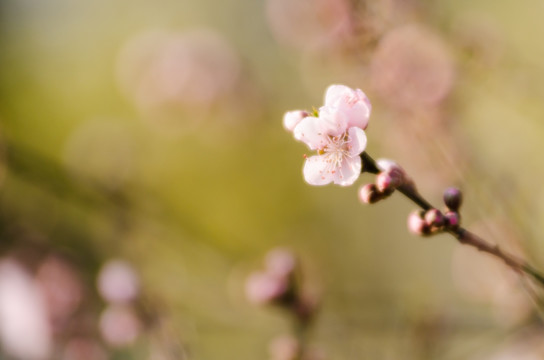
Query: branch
x,y
461,234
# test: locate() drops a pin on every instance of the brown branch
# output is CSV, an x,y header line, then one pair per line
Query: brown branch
x,y
461,234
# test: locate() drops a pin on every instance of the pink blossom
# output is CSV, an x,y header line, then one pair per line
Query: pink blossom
x,y
25,332
262,287
119,325
354,103
118,282
280,262
337,133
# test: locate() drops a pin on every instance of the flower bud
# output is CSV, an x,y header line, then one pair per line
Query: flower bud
x,y
285,348
392,175
386,164
452,219
453,198
306,307
416,224
369,194
434,218
263,288
383,181
292,118
280,262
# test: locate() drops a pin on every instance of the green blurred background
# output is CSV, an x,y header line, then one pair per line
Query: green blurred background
x,y
151,132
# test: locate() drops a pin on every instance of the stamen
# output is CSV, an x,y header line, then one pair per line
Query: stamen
x,y
337,148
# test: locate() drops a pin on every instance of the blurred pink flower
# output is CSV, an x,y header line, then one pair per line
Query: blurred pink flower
x,y
118,282
25,332
337,134
119,325
262,287
412,67
284,347
166,71
62,289
302,23
81,348
280,262
287,347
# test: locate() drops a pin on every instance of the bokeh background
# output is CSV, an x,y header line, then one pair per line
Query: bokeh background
x,y
145,174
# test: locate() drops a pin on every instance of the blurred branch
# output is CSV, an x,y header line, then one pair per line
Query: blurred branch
x,y
50,175
34,167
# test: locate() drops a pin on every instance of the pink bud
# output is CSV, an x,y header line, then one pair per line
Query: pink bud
x,y
416,224
453,198
434,218
386,164
398,176
368,194
392,175
292,118
280,262
383,181
306,307
262,288
452,219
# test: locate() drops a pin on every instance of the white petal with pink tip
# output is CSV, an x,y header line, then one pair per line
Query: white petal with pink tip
x,y
334,121
348,172
311,131
317,170
292,118
357,142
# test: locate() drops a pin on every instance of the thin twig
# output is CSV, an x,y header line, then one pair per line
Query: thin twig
x,y
461,234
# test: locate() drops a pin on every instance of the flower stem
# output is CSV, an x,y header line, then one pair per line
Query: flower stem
x,y
461,234
369,165
411,193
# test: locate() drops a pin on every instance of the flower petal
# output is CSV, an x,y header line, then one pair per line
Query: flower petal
x,y
336,93
317,170
310,131
334,120
354,102
358,115
357,142
386,164
348,172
